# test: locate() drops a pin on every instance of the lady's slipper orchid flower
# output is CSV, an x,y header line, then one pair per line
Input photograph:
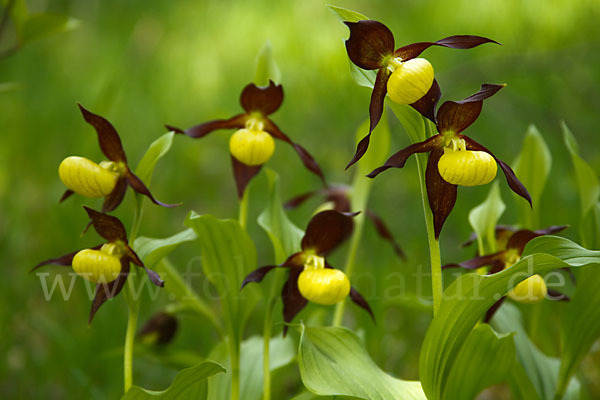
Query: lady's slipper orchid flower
x,y
106,265
455,159
252,144
530,290
109,179
406,78
338,198
311,278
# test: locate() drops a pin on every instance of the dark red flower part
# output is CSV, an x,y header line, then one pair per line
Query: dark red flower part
x,y
110,144
163,325
325,231
453,117
258,103
371,47
111,229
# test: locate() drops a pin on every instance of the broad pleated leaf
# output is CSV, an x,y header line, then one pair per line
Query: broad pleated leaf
x,y
333,362
152,250
484,218
188,384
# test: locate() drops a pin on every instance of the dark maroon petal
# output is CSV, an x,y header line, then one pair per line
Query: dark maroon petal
x,y
499,231
399,159
555,295
106,291
370,43
327,230
257,275
441,194
456,116
307,159
68,193
426,105
243,174
162,324
198,131
513,182
154,277
109,227
492,310
480,261
300,199
454,42
361,302
520,238
293,302
375,112
115,197
137,185
266,100
109,140
65,260
340,198
551,229
385,233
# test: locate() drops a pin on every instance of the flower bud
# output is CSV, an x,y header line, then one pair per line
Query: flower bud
x,y
251,147
87,178
467,167
323,286
97,266
529,291
410,80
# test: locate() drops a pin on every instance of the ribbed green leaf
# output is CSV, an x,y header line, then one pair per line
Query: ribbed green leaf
x,y
265,68
484,218
189,384
532,166
284,235
345,14
468,298
333,362
155,152
152,250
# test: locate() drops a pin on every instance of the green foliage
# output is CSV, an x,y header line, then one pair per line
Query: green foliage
x,y
151,250
532,166
189,384
486,359
345,14
333,362
155,152
37,26
484,218
265,67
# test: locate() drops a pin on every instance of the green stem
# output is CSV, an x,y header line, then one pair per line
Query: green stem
x,y
234,355
129,341
243,217
266,350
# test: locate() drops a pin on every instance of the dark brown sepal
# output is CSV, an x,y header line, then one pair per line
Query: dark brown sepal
x,y
492,310
385,233
555,295
520,238
68,193
257,275
110,142
361,302
109,290
494,259
307,159
198,131
399,159
499,231
551,229
293,302
454,42
441,194
370,43
300,199
456,116
327,230
65,260
265,100
243,174
164,325
109,227
139,186
115,197
154,277
513,182
426,105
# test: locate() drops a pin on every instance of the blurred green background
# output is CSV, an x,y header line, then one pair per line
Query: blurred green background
x,y
142,64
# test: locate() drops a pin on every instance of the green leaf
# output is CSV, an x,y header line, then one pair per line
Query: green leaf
x,y
152,250
345,14
155,152
587,181
486,359
284,235
535,375
265,68
484,218
362,77
467,299
532,166
189,384
37,26
282,353
411,120
227,255
333,362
